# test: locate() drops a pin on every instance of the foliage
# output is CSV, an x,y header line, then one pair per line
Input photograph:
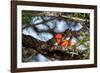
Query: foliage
x,y
79,15
75,51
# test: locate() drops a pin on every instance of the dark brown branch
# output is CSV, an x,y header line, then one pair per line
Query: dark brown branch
x,y
33,25
51,52
58,15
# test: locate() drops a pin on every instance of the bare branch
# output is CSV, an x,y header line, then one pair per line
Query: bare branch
x,y
33,25
51,52
52,14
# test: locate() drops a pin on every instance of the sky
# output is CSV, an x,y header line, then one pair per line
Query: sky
x,y
56,25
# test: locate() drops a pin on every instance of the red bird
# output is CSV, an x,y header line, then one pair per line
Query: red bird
x,y
59,41
58,38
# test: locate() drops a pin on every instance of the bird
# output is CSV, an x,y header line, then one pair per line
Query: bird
x,y
65,43
62,42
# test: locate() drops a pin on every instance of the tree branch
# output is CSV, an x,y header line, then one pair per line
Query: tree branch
x,y
52,14
51,52
33,25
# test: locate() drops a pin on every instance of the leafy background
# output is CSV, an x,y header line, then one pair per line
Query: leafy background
x,y
75,28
